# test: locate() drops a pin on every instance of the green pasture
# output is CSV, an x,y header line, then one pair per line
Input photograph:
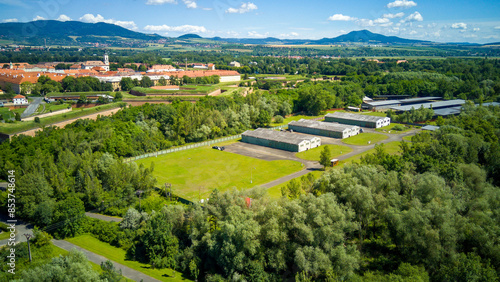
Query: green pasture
x,y
389,129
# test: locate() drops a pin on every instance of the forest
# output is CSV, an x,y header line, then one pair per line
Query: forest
x,y
430,213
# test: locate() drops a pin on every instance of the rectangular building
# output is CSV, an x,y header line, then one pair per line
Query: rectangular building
x,y
358,120
432,105
280,140
327,129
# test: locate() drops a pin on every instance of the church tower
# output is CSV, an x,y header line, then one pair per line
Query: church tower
x,y
106,61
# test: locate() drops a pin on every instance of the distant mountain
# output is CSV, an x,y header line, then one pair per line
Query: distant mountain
x,y
366,36
68,31
190,36
361,36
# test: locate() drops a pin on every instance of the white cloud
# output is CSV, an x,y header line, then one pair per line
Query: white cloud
x,y
63,18
476,29
190,4
89,18
257,35
420,26
288,35
393,16
365,22
497,27
160,2
207,9
459,26
413,32
415,17
340,17
244,8
401,4
181,29
381,21
39,18
10,21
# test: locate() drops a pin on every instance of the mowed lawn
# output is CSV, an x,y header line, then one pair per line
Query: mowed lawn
x,y
362,139
115,254
314,154
198,171
391,148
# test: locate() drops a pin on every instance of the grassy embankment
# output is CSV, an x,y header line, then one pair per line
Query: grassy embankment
x,y
11,128
118,255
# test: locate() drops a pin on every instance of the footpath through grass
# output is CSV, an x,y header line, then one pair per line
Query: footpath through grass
x,y
11,128
118,255
365,139
194,173
314,154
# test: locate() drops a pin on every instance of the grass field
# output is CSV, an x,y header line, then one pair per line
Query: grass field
x,y
299,117
4,235
11,128
363,139
391,148
377,114
198,171
313,154
118,255
389,129
6,113
186,89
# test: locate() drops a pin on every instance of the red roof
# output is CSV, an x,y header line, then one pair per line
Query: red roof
x,y
19,97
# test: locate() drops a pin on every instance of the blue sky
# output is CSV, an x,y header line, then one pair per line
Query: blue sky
x,y
436,20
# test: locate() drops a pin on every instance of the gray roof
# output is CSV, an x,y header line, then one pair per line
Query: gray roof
x,y
489,104
434,105
448,111
321,125
280,136
419,99
354,116
383,103
430,127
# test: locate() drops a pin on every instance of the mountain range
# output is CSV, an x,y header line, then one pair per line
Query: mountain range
x,y
72,32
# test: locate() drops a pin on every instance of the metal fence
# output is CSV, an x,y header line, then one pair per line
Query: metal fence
x,y
191,146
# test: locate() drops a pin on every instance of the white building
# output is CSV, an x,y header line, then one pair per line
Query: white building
x,y
19,100
234,64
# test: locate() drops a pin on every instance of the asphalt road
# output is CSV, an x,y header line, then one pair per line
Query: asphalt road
x,y
32,107
21,229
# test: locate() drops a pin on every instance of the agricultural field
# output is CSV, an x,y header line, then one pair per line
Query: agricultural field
x,y
365,139
196,172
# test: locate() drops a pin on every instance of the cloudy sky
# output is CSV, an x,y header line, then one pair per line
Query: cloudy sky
x,y
436,20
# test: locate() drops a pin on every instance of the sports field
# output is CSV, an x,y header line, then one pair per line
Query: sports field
x,y
196,172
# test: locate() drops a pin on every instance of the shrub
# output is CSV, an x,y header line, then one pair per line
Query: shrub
x,y
37,119
278,119
399,127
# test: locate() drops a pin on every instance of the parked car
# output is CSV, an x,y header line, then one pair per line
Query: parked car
x,y
218,148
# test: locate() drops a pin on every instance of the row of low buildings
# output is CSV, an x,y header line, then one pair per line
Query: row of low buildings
x,y
441,108
336,125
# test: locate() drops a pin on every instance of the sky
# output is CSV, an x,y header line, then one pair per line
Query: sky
x,y
434,20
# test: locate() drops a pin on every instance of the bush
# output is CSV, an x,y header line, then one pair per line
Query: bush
x,y
37,119
399,127
278,119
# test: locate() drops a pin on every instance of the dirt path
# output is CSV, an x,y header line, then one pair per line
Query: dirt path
x,y
61,124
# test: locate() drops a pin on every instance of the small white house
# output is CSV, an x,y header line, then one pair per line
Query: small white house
x,y
20,100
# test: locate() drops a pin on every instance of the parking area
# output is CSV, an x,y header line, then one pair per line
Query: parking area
x,y
260,152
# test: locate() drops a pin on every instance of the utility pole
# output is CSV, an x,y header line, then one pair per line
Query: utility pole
x,y
139,193
28,237
168,185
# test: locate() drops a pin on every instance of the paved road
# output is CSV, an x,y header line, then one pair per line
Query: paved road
x,y
21,229
104,217
32,107
356,150
126,271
